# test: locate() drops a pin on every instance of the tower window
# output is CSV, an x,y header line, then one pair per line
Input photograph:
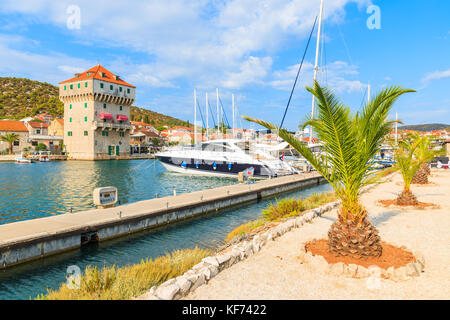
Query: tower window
x,y
120,89
70,106
85,104
85,119
128,90
111,87
85,133
69,133
121,108
101,85
85,84
104,106
70,119
78,86
71,86
65,87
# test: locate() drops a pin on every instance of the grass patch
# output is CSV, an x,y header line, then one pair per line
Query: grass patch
x,y
281,209
245,228
113,283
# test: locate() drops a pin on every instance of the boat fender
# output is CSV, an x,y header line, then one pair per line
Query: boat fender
x,y
214,166
229,167
196,164
183,164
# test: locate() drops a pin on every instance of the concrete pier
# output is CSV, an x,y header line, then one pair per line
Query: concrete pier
x,y
33,239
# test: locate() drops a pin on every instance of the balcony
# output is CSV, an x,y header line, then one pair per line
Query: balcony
x,y
111,126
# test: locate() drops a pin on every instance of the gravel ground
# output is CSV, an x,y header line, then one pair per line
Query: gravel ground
x,y
276,273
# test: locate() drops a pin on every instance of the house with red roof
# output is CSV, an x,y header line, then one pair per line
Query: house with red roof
x,y
16,127
96,114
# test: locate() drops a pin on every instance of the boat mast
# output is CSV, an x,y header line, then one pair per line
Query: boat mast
x,y
207,125
316,67
195,116
232,132
218,114
396,124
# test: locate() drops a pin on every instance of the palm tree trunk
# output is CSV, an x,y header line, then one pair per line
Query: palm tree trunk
x,y
421,175
357,238
407,198
10,148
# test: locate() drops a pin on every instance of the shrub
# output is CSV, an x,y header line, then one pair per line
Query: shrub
x,y
245,229
113,283
282,208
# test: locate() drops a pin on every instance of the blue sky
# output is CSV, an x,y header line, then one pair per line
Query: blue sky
x,y
246,47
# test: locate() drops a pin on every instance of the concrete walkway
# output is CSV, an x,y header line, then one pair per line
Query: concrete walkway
x,y
276,273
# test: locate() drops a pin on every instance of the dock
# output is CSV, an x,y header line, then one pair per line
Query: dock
x,y
38,238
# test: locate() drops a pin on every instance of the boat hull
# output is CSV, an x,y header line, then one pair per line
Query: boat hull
x,y
211,168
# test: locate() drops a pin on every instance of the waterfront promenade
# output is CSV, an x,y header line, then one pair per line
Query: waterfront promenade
x,y
276,272
37,238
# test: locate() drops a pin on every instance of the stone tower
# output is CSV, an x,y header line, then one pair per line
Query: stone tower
x,y
96,115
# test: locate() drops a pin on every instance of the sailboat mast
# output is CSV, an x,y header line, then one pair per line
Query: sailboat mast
x,y
232,132
195,116
316,67
218,114
207,124
396,124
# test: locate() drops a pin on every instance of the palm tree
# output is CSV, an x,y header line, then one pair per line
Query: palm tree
x,y
423,154
408,166
10,138
349,143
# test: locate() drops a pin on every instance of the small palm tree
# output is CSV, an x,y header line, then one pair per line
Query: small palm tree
x,y
10,138
349,143
424,153
408,166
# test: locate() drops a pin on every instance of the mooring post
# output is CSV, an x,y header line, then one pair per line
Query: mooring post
x,y
174,192
156,195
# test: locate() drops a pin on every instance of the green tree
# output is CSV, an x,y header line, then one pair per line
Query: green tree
x,y
349,142
10,138
40,146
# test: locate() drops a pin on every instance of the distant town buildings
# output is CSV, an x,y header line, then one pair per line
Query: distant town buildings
x,y
96,114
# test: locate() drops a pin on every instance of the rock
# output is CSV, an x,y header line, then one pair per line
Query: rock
x,y
248,249
148,296
375,271
390,272
167,292
209,272
307,258
400,274
211,260
200,265
223,259
362,272
420,259
152,290
418,266
200,281
299,221
351,270
411,270
184,285
336,269
169,282
237,254
192,278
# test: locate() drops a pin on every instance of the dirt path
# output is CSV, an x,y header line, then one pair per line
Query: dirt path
x,y
276,273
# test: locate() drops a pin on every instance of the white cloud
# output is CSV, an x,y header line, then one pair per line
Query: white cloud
x,y
436,75
338,75
206,42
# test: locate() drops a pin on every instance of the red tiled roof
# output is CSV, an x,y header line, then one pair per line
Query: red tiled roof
x,y
314,140
181,128
137,123
16,126
38,125
96,73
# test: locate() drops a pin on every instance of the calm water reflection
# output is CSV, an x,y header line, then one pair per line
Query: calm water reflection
x,y
37,190
31,279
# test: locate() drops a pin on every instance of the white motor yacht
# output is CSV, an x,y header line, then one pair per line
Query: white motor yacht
x,y
224,157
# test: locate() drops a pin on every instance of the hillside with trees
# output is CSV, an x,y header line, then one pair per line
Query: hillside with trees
x,y
425,127
21,98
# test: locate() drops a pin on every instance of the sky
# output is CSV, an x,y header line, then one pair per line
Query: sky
x,y
251,48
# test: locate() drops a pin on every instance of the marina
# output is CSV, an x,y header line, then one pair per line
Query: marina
x,y
30,279
37,238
